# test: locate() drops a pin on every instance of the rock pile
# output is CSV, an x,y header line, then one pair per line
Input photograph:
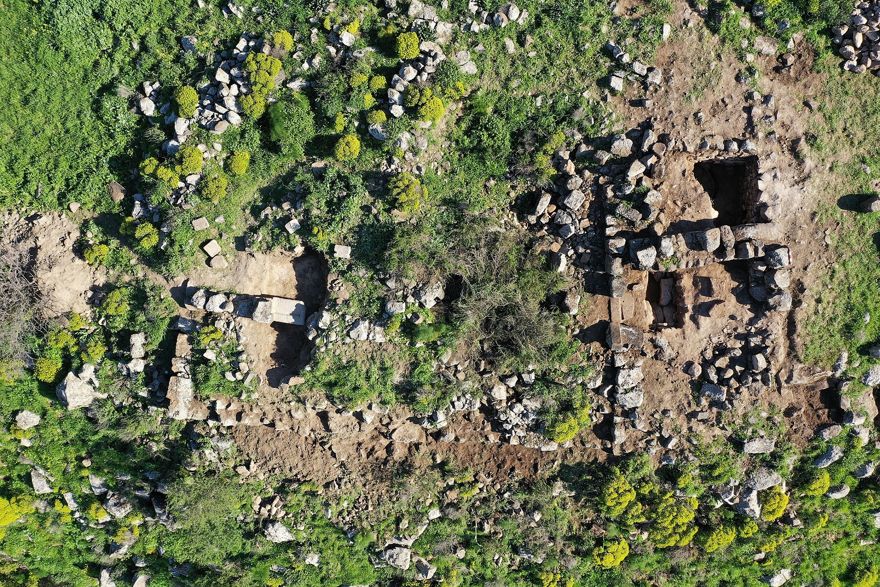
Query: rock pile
x,y
859,40
483,19
740,363
416,72
635,70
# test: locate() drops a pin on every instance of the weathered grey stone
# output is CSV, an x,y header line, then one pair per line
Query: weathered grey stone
x,y
182,404
212,248
872,377
629,377
398,557
778,257
78,391
631,399
40,482
342,251
713,392
147,106
759,446
838,491
779,579
117,505
278,533
424,570
25,419
764,478
829,457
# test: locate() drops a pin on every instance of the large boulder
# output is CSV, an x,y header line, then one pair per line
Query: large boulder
x,y
829,457
399,557
25,419
759,446
278,533
182,404
764,478
78,391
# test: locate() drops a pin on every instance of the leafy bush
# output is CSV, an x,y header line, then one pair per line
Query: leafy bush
x,y
347,148
48,366
377,83
147,236
773,503
376,117
93,349
292,125
819,485
96,254
617,495
215,187
190,160
282,40
239,162
673,521
432,110
115,307
187,100
407,45
567,428
610,553
253,105
408,192
719,538
12,510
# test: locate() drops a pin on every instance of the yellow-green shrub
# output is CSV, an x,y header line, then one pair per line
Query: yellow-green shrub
x,y
748,528
376,117
347,148
215,187
12,510
253,105
187,100
819,485
282,40
719,538
611,553
432,110
408,192
407,45
239,162
377,82
47,367
147,236
673,521
617,495
773,503
190,160
93,350
96,254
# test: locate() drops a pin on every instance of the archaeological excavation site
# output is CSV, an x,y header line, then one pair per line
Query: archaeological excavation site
x,y
456,294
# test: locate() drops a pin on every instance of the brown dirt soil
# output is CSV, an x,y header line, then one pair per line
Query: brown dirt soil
x,y
65,281
366,455
703,81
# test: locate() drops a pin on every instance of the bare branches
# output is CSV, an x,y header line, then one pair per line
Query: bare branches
x,y
17,308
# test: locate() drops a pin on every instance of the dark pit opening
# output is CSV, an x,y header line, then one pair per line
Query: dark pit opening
x,y
663,293
732,185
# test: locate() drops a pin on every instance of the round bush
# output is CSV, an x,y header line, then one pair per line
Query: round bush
x,y
376,117
239,162
215,187
146,235
347,148
611,553
187,100
407,45
282,40
432,110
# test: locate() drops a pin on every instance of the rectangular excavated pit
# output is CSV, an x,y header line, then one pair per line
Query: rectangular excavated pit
x,y
732,185
663,293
